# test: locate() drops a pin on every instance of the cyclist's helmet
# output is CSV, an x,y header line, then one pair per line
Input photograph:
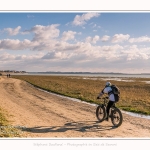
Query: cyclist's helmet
x,y
108,84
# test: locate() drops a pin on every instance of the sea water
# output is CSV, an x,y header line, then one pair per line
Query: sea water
x,y
119,75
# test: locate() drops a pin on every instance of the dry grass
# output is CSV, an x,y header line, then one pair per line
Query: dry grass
x,y
135,96
6,130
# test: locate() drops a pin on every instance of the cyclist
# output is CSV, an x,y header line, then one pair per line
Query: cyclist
x,y
112,97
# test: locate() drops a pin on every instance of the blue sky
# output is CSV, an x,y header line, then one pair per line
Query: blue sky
x,y
75,41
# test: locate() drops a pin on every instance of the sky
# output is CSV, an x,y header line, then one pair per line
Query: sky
x,y
75,41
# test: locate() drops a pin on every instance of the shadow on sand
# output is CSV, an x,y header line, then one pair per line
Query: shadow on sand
x,y
82,126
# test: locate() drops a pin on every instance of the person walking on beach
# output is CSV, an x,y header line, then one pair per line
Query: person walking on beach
x,y
112,94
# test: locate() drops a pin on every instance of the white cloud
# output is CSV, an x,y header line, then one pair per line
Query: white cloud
x,y
120,38
6,57
88,39
69,35
95,39
57,51
135,53
94,30
43,33
92,40
94,25
139,39
81,20
30,16
12,31
112,48
105,38
91,52
79,55
14,44
56,55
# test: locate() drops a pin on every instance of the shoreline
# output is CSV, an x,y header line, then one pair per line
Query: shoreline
x,y
112,75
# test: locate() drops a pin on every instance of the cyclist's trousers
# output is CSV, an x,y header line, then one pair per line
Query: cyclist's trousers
x,y
110,103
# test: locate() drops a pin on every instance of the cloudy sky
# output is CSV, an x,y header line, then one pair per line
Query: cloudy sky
x,y
75,41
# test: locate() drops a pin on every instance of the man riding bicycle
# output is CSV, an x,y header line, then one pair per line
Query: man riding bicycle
x,y
112,97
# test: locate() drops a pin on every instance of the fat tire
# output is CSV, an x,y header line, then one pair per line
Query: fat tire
x,y
103,109
113,118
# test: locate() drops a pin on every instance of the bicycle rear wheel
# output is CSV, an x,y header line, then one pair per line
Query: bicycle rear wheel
x,y
101,113
116,117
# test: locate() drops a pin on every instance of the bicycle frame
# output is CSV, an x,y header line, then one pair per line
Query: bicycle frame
x,y
112,113
105,102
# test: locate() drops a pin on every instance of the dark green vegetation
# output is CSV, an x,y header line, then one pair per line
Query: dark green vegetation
x,y
135,95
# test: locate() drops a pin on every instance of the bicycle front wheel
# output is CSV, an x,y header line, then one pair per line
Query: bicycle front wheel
x,y
101,113
116,117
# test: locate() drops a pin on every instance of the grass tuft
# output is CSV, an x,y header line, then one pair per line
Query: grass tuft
x,y
6,130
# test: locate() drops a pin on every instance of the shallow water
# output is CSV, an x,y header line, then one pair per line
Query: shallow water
x,y
136,115
77,100
108,79
147,82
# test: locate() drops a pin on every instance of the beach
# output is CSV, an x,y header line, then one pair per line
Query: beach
x,y
41,114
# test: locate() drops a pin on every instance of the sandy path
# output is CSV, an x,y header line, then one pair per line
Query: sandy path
x,y
46,115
